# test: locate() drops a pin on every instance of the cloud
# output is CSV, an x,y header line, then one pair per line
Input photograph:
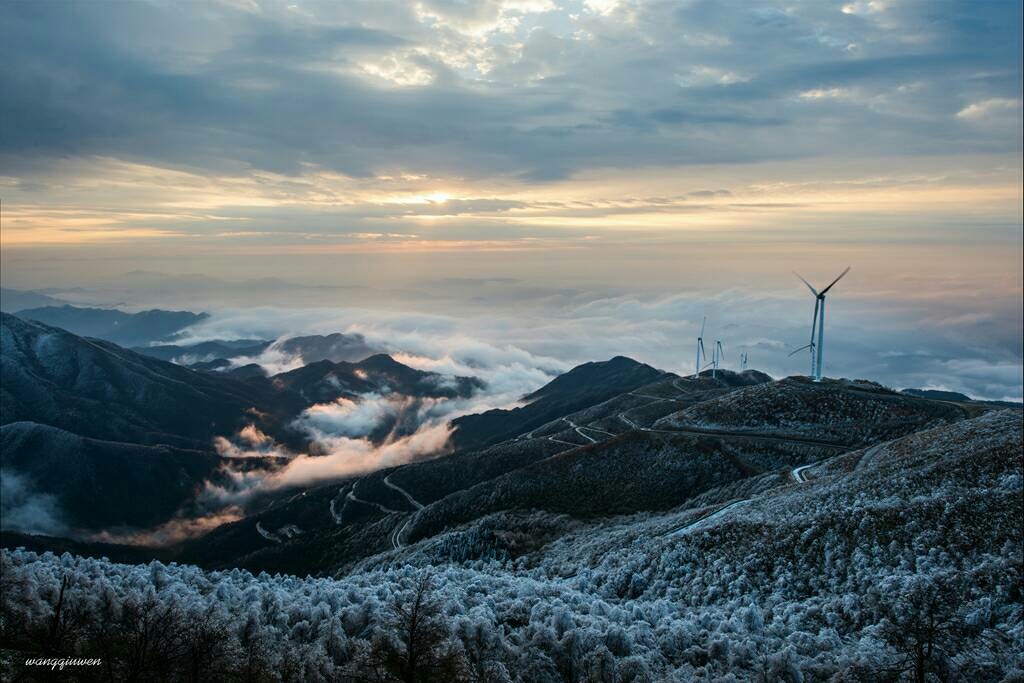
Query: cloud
x,y
1000,115
518,345
367,414
249,442
827,93
336,456
351,436
986,108
865,7
170,532
24,509
480,88
346,456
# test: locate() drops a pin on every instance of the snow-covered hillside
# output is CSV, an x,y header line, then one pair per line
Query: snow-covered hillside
x,y
901,557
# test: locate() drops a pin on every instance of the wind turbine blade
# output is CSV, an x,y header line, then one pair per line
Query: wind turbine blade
x,y
836,280
702,323
813,290
805,346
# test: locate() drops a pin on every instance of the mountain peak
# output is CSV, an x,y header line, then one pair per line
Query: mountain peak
x,y
382,361
615,372
585,385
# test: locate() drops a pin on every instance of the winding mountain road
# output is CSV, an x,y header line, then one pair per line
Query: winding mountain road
x,y
396,534
408,496
707,518
657,398
352,496
579,430
335,513
751,436
798,474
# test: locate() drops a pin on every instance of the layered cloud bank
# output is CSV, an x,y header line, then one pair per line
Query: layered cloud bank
x,y
969,342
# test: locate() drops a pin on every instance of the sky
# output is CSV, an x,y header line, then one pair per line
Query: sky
x,y
569,180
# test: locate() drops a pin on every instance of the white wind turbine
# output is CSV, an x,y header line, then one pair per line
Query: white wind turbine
x,y
818,322
716,357
811,345
700,349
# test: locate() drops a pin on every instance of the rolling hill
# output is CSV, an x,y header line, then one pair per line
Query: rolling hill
x,y
627,454
584,385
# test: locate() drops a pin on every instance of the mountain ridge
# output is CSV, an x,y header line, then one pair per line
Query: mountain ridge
x,y
109,324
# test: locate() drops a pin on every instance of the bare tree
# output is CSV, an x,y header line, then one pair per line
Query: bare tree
x,y
207,646
418,649
255,667
65,623
922,623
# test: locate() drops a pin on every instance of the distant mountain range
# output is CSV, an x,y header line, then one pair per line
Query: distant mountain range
x,y
956,396
204,352
12,300
125,329
211,355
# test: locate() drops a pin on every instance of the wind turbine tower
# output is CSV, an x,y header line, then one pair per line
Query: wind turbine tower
x,y
818,321
700,349
716,357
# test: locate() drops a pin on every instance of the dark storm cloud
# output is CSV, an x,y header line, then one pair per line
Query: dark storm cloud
x,y
216,88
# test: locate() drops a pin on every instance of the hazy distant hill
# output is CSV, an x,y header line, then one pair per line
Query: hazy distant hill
x,y
335,347
204,352
955,396
12,300
124,329
938,395
212,355
323,381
